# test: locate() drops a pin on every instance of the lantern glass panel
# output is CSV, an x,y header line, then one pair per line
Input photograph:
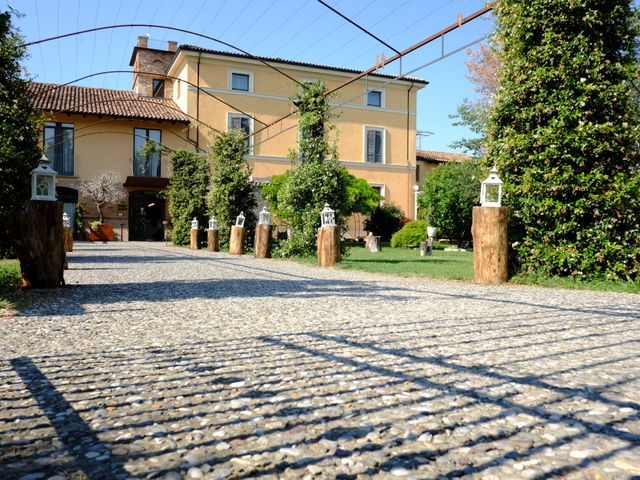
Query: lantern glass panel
x,y
327,216
66,223
213,223
42,186
194,223
240,220
264,217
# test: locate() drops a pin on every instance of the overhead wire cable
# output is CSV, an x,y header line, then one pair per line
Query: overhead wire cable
x,y
422,43
331,32
215,16
305,27
202,89
108,27
404,29
135,14
39,34
95,24
197,15
278,28
388,82
111,38
75,65
259,17
58,43
247,4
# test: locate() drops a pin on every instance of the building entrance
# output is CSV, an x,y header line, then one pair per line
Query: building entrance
x,y
146,213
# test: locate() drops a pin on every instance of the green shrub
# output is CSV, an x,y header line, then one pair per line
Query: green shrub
x,y
385,221
447,199
9,274
410,235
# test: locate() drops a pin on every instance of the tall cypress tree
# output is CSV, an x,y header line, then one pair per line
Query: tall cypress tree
x,y
565,138
19,125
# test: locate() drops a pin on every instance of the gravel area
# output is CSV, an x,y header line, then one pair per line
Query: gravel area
x,y
159,362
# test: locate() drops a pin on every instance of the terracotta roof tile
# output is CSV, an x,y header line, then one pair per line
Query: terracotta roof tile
x,y
50,97
441,157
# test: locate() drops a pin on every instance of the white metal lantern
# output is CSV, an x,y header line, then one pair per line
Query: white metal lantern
x,y
43,181
66,221
265,217
213,223
327,216
491,190
240,220
194,224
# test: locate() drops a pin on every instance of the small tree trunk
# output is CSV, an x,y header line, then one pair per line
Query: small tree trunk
x,y
236,241
372,243
328,246
39,242
213,241
262,242
490,245
193,243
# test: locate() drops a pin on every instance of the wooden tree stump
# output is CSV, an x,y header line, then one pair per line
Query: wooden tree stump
x,y
236,241
262,242
38,240
328,246
372,243
213,241
68,239
426,247
193,243
490,245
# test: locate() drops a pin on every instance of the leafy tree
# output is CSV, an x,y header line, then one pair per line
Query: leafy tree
x,y
19,126
482,70
298,195
103,189
565,138
384,221
187,193
231,189
448,196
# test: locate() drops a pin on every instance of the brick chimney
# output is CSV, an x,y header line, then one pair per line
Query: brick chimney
x,y
149,65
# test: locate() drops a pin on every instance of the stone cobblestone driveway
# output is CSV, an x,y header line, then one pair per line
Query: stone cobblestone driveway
x,y
158,362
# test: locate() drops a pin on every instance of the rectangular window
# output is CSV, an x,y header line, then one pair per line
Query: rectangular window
x,y
242,122
158,87
146,160
374,98
240,81
58,143
374,145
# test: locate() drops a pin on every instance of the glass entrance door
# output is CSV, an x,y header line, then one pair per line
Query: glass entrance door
x,y
146,213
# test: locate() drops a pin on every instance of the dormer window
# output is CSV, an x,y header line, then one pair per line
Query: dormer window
x,y
241,81
374,98
158,87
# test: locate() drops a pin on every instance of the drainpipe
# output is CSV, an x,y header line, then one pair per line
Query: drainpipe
x,y
410,177
198,106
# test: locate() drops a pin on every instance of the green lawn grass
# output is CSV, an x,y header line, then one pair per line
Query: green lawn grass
x,y
408,262
10,294
453,266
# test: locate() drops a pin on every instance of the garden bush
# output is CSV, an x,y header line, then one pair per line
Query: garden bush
x,y
447,199
9,274
410,235
385,221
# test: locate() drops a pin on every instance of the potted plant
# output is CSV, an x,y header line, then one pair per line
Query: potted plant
x,y
103,189
431,230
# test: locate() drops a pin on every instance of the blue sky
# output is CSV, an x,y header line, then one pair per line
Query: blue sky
x,y
302,30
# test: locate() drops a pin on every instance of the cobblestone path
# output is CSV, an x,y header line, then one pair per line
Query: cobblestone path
x,y
158,362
